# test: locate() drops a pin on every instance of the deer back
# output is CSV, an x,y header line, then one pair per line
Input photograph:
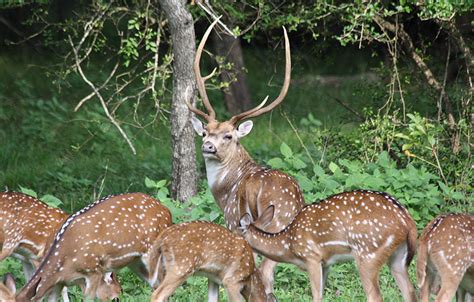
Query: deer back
x,y
27,225
106,235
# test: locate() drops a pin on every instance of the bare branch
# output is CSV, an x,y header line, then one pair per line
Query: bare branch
x,y
99,96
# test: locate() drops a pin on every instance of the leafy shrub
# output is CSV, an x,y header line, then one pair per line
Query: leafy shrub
x,y
421,191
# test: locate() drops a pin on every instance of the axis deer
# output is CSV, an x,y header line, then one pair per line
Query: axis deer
x,y
446,256
208,249
237,182
107,235
8,289
370,227
27,228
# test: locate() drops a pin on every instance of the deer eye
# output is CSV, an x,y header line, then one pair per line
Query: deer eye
x,y
228,137
204,133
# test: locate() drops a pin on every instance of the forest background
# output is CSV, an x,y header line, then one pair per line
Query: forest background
x,y
380,98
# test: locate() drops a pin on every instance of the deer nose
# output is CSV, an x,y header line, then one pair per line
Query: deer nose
x,y
208,147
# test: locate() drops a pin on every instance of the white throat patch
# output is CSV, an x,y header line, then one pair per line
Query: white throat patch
x,y
213,168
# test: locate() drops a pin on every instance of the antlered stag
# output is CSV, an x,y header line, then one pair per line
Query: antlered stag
x,y
370,227
237,182
211,250
446,256
109,234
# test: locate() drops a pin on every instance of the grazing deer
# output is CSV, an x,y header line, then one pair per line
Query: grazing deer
x,y
446,255
7,289
370,227
107,235
27,228
237,182
208,249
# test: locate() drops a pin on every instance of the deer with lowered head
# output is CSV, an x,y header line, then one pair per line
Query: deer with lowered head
x,y
371,228
107,235
445,263
208,249
235,179
27,230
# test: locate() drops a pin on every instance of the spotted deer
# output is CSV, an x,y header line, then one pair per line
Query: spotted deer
x,y
237,182
107,235
27,228
207,249
371,228
8,289
446,256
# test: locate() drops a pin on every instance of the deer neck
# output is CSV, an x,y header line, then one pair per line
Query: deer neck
x,y
224,176
274,246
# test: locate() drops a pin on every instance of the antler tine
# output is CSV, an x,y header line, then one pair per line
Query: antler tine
x,y
286,84
200,80
197,111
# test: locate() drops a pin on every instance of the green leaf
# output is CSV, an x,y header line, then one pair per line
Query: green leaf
x,y
213,216
160,183
333,167
286,150
51,200
318,170
28,191
276,163
298,164
150,183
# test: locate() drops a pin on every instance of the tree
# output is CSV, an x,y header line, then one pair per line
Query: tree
x,y
184,183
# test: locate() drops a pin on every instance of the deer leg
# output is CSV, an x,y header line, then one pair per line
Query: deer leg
x,y
369,273
316,278
170,282
233,291
213,291
449,285
399,270
267,267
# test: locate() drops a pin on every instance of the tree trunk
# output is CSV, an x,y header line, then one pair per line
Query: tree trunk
x,y
184,180
237,95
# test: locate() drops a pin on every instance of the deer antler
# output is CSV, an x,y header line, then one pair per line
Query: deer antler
x,y
261,110
200,80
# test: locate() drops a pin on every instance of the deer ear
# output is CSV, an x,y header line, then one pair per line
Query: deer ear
x,y
244,128
198,126
245,221
10,283
265,218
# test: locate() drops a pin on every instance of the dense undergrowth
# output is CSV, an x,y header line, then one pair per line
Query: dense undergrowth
x,y
70,159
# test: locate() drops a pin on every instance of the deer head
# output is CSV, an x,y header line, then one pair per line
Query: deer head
x,y
221,139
